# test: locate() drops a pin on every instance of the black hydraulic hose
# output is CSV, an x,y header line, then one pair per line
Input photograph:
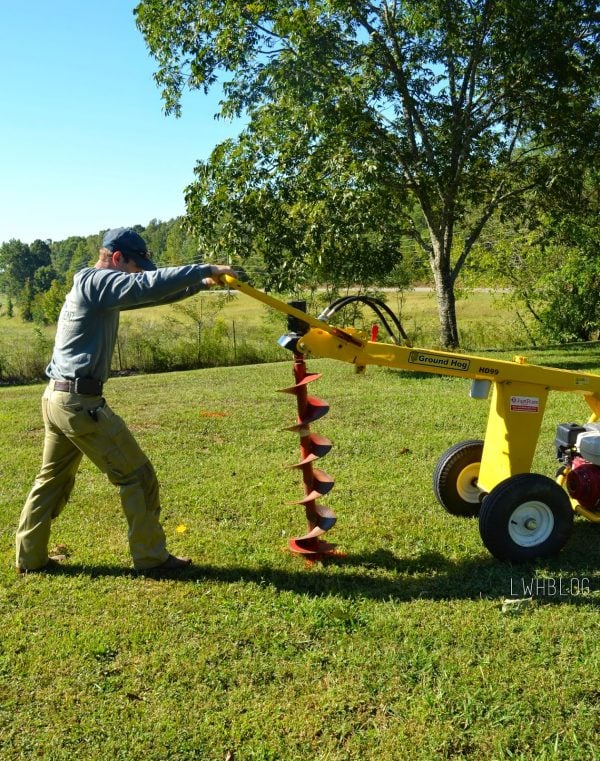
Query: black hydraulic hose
x,y
373,303
376,305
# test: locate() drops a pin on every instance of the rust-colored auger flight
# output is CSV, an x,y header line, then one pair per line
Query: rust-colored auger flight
x,y
313,446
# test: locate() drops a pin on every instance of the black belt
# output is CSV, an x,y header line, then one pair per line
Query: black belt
x,y
86,386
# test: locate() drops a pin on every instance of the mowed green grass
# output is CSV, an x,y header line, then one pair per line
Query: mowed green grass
x,y
402,647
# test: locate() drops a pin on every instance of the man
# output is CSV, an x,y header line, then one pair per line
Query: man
x,y
77,419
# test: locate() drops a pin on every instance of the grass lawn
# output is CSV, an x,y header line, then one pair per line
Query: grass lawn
x,y
411,646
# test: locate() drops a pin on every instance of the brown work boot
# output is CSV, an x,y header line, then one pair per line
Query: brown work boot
x,y
172,563
52,564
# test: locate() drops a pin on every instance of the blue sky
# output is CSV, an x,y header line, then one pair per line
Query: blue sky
x,y
84,141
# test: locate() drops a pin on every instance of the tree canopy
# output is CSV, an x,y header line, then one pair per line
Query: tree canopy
x,y
21,263
367,122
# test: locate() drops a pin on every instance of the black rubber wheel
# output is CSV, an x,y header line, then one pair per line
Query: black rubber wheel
x,y
525,517
455,478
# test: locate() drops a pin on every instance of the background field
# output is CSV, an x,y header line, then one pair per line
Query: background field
x,y
415,644
206,330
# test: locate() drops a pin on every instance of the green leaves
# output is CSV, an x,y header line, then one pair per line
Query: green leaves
x,y
19,263
368,122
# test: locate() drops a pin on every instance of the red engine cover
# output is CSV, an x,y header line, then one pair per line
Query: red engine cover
x,y
583,483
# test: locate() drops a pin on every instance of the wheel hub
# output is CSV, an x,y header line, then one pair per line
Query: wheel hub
x,y
466,483
531,523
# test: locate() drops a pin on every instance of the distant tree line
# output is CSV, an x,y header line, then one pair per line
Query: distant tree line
x,y
36,276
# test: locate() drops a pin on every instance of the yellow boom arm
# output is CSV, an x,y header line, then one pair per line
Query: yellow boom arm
x,y
519,390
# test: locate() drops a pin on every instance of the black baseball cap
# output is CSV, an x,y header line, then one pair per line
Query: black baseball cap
x,y
131,245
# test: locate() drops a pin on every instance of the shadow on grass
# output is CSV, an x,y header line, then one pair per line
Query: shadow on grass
x,y
569,578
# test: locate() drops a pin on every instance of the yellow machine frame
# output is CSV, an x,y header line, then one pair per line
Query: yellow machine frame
x,y
519,390
519,394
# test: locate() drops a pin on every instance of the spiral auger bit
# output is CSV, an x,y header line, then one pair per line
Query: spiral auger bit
x,y
313,446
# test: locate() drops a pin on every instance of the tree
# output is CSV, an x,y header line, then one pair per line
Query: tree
x,y
551,263
84,254
307,228
155,235
14,267
571,309
444,111
26,301
19,263
40,254
47,304
43,278
62,253
181,246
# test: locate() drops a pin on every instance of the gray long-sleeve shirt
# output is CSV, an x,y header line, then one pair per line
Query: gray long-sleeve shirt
x,y
89,319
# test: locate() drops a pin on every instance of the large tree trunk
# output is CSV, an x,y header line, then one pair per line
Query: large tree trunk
x,y
444,287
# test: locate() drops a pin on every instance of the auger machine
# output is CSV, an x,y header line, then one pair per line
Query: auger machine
x,y
522,515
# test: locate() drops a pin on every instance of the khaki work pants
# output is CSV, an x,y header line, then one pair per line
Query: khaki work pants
x,y
78,425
